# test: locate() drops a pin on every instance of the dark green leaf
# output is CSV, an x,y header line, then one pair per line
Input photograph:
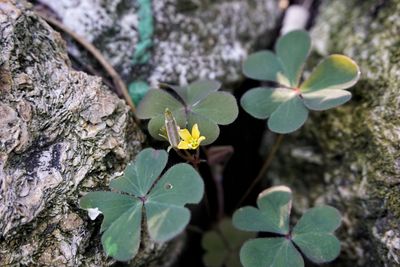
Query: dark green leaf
x,y
318,247
219,107
207,128
326,99
122,239
164,201
272,215
222,245
263,65
158,122
271,252
289,116
140,175
262,102
313,234
166,216
292,49
199,90
318,219
155,102
335,72
111,205
216,250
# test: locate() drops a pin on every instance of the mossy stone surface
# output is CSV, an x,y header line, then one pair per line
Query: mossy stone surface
x,y
350,157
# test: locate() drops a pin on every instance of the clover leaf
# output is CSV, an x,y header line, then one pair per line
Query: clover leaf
x,y
142,191
313,233
287,105
222,245
199,102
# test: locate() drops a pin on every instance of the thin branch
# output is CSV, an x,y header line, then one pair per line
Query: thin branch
x,y
263,169
118,83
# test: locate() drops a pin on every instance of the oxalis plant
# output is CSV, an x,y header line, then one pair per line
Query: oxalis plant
x,y
148,200
142,194
312,235
286,103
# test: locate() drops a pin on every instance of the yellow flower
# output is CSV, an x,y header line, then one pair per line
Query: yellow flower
x,y
190,141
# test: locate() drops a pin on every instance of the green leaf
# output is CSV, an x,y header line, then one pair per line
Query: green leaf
x,y
318,219
111,204
180,185
261,102
149,164
219,107
222,245
289,116
326,98
313,234
199,90
155,102
292,49
200,100
216,250
335,72
163,198
318,247
122,239
156,123
271,252
207,128
263,65
272,215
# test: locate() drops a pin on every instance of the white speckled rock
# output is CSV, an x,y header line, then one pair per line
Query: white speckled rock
x,y
204,40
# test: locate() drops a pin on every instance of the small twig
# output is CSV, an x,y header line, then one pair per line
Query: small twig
x,y
263,169
118,83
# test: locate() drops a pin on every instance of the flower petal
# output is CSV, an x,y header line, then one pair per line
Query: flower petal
x,y
185,135
195,131
183,145
201,138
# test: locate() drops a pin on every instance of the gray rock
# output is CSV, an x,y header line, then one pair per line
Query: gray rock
x,y
192,39
62,133
353,152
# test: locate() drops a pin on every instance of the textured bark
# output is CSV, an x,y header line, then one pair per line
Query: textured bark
x,y
62,133
192,39
349,157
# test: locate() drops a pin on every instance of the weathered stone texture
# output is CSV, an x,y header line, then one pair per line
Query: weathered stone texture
x,y
349,157
192,39
62,133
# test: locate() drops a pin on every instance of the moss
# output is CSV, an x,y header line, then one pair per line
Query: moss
x,y
358,143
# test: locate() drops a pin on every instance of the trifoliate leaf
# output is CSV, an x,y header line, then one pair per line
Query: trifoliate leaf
x,y
199,103
272,215
313,234
287,105
222,245
163,200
